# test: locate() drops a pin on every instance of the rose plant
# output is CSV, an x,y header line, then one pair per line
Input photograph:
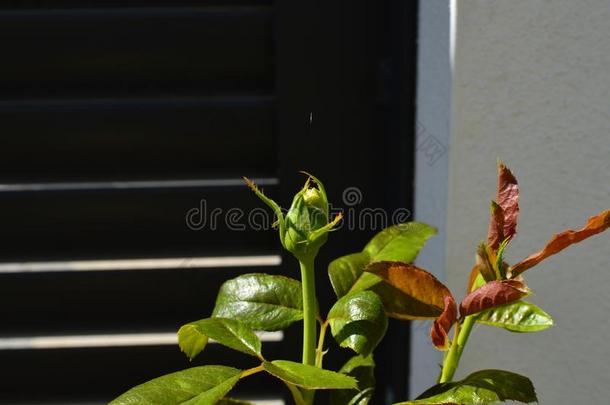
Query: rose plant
x,y
371,285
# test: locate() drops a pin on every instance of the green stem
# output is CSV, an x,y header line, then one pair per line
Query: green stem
x,y
309,312
320,349
452,360
296,394
309,319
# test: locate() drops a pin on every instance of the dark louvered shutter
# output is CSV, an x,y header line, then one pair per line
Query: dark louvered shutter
x,y
118,120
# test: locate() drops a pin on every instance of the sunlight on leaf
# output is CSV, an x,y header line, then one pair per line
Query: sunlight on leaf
x,y
493,294
409,292
594,225
480,388
261,301
519,316
182,386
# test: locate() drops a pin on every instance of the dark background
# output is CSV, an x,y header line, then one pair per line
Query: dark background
x,y
106,108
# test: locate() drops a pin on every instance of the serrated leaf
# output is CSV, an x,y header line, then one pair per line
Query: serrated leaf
x,y
400,242
191,341
508,199
439,333
227,332
261,301
182,386
594,225
493,294
520,316
309,377
363,370
480,388
409,292
358,321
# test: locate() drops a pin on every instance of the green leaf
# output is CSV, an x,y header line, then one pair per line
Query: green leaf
x,y
362,369
261,301
519,316
183,386
480,388
346,270
227,332
191,341
309,377
233,401
358,321
213,395
400,242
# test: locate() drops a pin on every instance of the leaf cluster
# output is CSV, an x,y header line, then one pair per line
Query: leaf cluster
x,y
378,282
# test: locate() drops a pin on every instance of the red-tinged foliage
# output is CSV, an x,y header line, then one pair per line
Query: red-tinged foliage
x,y
422,295
485,260
508,199
595,225
493,294
439,333
474,272
495,234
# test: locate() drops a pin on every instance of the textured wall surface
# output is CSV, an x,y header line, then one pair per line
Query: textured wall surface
x,y
532,85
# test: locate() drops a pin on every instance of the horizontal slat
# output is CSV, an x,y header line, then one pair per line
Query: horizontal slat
x,y
140,185
122,51
99,374
136,138
140,264
132,223
37,4
111,301
108,340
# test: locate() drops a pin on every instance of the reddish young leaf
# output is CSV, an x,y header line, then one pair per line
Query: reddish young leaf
x,y
409,292
595,225
495,234
508,199
474,273
493,294
485,260
442,325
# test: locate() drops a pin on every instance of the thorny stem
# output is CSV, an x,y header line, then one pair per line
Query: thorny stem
x,y
320,350
460,339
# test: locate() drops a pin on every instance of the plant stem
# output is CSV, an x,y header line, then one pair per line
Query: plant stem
x,y
452,360
320,349
309,319
251,371
309,312
296,394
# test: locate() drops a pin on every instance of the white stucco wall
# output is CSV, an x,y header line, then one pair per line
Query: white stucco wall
x,y
531,85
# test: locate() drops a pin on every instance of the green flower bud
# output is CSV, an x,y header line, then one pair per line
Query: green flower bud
x,y
305,227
